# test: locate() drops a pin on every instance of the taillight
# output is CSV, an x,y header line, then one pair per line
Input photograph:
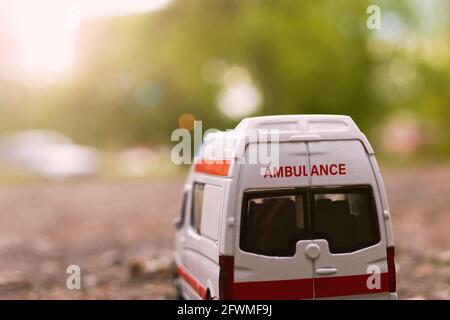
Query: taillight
x,y
391,269
226,277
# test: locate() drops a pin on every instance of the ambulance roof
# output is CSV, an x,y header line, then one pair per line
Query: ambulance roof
x,y
289,127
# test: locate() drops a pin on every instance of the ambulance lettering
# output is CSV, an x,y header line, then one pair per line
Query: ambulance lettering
x,y
332,169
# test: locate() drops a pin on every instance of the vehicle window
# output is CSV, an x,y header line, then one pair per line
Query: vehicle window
x,y
197,203
211,211
180,221
347,219
272,224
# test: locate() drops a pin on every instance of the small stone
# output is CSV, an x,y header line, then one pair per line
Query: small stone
x,y
14,282
160,264
443,294
442,257
139,267
90,280
424,270
136,267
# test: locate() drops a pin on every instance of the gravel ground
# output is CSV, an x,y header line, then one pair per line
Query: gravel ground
x,y
120,234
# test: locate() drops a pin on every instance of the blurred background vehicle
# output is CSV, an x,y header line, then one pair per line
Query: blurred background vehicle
x,y
47,154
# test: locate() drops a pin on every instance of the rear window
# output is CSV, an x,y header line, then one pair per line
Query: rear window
x,y
273,222
346,218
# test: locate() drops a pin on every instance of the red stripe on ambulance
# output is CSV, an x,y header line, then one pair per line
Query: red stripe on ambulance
x,y
348,285
274,290
303,288
194,283
213,167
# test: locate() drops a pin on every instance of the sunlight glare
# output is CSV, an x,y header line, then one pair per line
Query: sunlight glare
x,y
42,33
44,45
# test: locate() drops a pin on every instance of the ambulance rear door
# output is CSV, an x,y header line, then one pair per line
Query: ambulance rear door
x,y
272,229
346,222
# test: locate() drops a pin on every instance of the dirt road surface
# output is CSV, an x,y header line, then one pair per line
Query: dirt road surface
x,y
117,232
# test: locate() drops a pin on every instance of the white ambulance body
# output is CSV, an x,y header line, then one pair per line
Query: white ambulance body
x,y
316,226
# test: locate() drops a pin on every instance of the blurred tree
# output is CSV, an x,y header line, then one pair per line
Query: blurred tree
x,y
137,75
303,57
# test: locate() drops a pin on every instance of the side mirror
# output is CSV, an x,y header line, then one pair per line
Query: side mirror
x,y
177,223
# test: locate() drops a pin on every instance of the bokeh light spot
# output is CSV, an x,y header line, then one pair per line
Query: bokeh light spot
x,y
239,97
186,121
148,94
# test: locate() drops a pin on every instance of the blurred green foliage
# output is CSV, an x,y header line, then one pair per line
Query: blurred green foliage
x,y
136,75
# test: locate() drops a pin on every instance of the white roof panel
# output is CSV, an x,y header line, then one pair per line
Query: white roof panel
x,y
288,127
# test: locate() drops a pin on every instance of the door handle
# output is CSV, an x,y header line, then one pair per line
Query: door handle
x,y
326,271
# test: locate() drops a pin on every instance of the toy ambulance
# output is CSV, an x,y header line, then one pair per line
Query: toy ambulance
x,y
316,225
